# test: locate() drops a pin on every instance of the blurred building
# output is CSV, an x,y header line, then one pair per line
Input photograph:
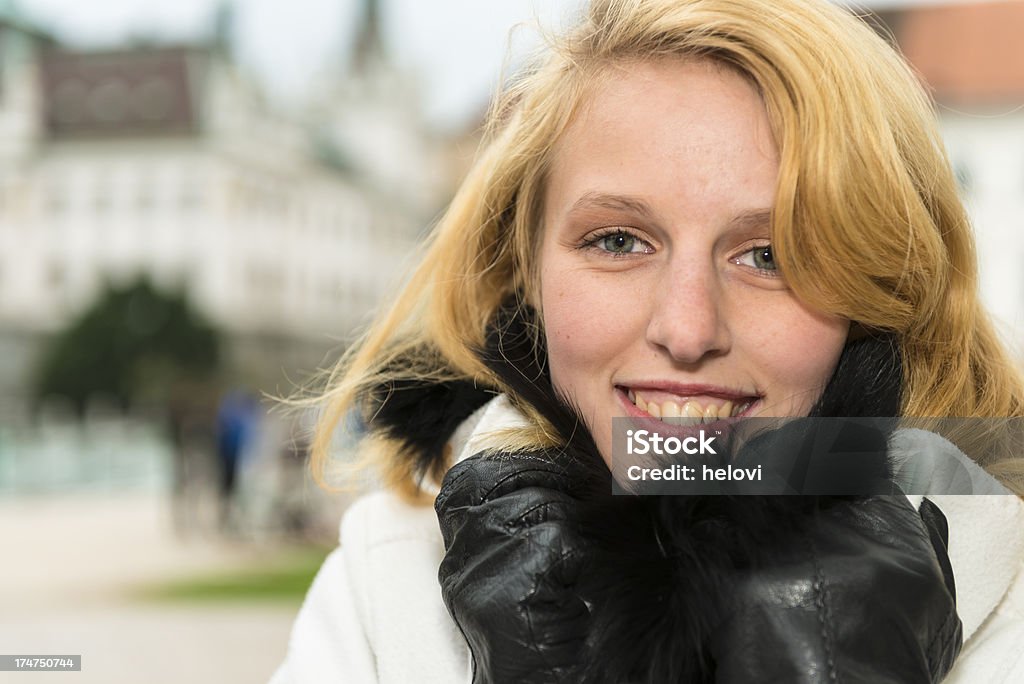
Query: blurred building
x,y
164,160
287,229
971,56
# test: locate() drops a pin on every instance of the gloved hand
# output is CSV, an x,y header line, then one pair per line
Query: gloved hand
x,y
863,595
513,558
860,590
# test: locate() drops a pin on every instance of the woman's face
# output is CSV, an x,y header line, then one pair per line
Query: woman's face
x,y
658,288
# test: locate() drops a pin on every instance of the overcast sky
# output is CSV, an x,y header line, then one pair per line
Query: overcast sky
x,y
457,45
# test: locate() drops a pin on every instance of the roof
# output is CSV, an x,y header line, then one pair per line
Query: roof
x,y
968,53
145,90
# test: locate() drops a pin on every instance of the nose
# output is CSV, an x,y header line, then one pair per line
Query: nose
x,y
688,319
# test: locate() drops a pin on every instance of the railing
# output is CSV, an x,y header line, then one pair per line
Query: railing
x,y
108,453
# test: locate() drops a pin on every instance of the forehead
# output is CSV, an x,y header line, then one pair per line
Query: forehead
x,y
671,126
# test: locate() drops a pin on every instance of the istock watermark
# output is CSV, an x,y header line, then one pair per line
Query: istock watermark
x,y
643,442
852,456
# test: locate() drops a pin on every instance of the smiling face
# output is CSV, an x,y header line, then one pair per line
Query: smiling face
x,y
659,292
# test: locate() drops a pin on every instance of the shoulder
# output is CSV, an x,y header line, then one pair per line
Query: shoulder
x,y
985,524
994,653
374,612
986,551
392,552
927,463
378,521
383,518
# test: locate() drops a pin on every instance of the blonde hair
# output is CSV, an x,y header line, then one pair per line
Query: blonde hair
x,y
867,223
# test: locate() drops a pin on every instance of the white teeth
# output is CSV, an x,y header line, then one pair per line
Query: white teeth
x,y
725,409
670,409
691,412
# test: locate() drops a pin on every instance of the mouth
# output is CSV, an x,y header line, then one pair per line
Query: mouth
x,y
687,406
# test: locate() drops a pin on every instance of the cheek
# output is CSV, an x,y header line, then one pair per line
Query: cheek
x,y
802,351
586,327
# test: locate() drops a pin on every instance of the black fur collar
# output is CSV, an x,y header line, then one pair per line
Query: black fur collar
x,y
422,416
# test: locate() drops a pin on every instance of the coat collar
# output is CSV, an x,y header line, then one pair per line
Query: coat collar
x,y
986,550
986,529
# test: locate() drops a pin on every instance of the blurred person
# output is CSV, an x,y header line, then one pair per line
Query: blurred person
x,y
291,510
237,421
190,426
733,207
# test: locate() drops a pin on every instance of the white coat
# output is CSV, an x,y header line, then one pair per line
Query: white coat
x,y
374,612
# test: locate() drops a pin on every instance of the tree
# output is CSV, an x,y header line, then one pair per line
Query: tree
x,y
134,342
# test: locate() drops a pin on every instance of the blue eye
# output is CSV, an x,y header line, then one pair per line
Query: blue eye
x,y
759,257
618,242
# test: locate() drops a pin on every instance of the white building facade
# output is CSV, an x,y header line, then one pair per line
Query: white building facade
x,y
163,161
971,57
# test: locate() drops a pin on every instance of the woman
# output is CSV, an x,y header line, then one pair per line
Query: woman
x,y
723,207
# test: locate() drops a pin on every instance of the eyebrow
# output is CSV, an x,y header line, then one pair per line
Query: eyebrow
x,y
747,220
750,220
602,200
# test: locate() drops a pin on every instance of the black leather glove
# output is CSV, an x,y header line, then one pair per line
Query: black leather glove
x,y
763,589
513,558
863,595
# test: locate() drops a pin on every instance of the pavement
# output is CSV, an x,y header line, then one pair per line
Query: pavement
x,y
70,573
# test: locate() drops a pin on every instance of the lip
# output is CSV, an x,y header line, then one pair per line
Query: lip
x,y
649,422
724,428
683,391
